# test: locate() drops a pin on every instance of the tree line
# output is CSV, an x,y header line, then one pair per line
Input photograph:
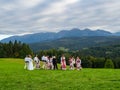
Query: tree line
x,y
14,50
88,61
94,57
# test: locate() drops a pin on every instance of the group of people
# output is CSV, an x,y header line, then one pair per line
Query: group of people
x,y
48,62
51,63
29,62
72,63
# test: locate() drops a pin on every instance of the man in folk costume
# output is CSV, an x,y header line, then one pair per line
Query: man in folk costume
x,y
44,58
37,62
55,63
78,63
63,63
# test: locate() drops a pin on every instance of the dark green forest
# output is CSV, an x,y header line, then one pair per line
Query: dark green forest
x,y
76,43
14,50
102,56
94,57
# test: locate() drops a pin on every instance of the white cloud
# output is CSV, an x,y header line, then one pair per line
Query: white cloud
x,y
32,16
29,3
58,7
8,7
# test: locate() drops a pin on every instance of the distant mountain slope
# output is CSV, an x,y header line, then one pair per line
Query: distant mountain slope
x,y
40,37
77,43
31,38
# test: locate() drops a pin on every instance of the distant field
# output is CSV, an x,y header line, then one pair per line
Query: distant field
x,y
14,77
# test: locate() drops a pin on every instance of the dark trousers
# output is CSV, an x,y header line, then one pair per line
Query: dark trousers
x,y
55,66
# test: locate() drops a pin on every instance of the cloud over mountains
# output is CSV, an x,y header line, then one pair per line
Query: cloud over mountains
x,y
32,16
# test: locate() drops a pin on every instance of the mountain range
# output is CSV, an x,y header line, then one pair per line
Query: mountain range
x,y
74,39
48,36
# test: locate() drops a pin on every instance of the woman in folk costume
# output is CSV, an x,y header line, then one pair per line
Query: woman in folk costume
x,y
78,63
71,63
63,63
47,62
51,63
37,62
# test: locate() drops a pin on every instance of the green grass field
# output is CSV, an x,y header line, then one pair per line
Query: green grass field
x,y
13,76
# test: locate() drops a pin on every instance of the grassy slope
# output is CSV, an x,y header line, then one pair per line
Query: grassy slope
x,y
14,77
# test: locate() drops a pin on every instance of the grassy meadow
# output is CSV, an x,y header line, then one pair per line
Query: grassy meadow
x,y
13,76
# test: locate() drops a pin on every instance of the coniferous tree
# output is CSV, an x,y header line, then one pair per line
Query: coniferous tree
x,y
109,64
10,49
25,50
2,52
14,50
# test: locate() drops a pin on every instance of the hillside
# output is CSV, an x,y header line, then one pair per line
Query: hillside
x,y
77,43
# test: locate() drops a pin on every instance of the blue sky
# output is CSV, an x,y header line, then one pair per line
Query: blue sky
x,y
18,17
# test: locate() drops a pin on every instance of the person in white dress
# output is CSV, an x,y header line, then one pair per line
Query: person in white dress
x,y
30,65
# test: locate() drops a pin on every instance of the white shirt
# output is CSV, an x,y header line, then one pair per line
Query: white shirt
x,y
26,59
43,58
36,59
